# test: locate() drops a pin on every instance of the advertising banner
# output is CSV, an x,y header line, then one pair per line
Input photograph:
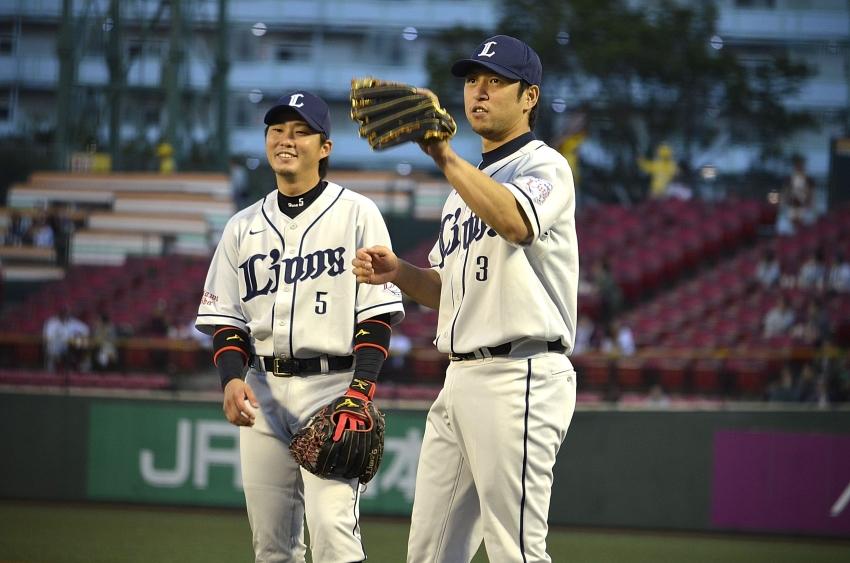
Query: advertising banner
x,y
781,482
173,453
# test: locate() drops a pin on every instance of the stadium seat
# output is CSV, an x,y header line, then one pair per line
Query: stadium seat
x,y
705,375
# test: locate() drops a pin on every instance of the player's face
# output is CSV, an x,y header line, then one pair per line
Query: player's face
x,y
294,151
494,108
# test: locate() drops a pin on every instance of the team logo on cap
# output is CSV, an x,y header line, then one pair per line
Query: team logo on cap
x,y
294,100
485,52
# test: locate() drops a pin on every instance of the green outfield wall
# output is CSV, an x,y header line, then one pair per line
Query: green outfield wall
x,y
769,471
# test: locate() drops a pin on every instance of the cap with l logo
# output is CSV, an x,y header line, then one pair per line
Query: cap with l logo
x,y
310,107
506,56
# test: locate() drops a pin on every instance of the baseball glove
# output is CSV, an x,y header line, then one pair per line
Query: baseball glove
x,y
357,453
391,113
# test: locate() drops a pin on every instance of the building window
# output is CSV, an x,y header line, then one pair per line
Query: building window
x,y
5,106
288,52
7,44
755,3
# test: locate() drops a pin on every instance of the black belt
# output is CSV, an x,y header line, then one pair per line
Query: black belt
x,y
287,367
502,350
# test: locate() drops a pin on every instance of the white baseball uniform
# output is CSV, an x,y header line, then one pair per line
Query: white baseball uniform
x,y
288,283
492,435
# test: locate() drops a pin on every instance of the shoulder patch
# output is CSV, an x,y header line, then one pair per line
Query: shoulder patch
x,y
536,188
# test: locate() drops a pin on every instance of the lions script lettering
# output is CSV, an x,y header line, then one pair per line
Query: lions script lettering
x,y
262,272
455,233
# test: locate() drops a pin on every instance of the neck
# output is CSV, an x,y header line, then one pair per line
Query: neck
x,y
296,186
490,144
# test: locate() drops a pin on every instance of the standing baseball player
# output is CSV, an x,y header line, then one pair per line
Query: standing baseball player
x,y
503,275
282,305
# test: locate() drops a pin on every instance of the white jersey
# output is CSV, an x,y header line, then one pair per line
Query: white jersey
x,y
494,291
288,282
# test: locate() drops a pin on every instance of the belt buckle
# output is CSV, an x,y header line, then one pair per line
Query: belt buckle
x,y
285,367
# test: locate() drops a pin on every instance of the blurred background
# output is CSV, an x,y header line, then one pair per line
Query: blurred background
x,y
710,143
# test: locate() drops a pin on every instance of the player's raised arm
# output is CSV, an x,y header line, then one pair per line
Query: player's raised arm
x,y
488,199
378,265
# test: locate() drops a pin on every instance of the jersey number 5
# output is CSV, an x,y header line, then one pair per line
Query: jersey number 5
x,y
481,274
321,305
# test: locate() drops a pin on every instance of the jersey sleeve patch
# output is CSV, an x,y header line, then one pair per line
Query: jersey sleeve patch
x,y
538,190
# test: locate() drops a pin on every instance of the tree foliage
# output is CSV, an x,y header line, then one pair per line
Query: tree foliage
x,y
649,73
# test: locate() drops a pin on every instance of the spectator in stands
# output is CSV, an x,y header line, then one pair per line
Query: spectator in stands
x,y
18,232
159,324
681,186
400,348
813,329
63,227
809,389
59,332
42,233
812,275
779,319
662,169
797,200
189,331
610,294
618,340
105,343
838,275
657,397
784,390
584,335
768,270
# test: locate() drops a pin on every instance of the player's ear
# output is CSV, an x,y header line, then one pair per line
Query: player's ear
x,y
326,147
532,95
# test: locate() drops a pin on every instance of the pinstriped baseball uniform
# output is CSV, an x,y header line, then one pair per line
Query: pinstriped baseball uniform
x,y
493,433
288,283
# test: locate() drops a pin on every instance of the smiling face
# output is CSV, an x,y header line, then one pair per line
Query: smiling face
x,y
495,108
294,150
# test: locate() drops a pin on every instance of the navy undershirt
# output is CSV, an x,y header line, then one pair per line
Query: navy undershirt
x,y
291,206
495,155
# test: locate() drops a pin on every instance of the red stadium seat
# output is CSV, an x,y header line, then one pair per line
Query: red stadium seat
x,y
630,373
705,375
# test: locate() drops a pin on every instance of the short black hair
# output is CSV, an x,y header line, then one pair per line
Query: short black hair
x,y
532,115
323,164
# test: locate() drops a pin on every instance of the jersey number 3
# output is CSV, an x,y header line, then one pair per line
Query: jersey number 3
x,y
481,274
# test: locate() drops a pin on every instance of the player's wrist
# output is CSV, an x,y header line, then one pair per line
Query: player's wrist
x,y
361,388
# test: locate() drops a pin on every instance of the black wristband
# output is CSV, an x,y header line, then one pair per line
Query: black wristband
x,y
230,365
367,363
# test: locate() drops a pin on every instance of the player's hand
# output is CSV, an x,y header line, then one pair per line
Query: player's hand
x,y
441,152
375,265
349,411
240,403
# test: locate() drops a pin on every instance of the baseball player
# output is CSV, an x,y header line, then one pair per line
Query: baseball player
x,y
504,275
283,307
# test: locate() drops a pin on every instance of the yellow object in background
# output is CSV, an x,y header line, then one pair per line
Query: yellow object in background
x,y
165,152
662,168
569,148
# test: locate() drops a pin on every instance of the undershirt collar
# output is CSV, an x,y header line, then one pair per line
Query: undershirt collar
x,y
495,155
291,206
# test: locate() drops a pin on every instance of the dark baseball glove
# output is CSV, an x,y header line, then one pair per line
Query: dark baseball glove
x,y
391,113
357,453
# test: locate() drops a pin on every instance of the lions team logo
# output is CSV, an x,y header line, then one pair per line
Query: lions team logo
x,y
536,188
262,273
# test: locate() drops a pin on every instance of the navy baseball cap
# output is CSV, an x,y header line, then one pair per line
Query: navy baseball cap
x,y
506,56
310,107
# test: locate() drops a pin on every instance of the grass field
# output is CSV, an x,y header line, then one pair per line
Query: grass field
x,y
56,533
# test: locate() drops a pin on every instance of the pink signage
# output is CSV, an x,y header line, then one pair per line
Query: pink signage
x,y
781,482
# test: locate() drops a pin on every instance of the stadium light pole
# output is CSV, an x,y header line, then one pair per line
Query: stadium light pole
x,y
67,76
220,86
